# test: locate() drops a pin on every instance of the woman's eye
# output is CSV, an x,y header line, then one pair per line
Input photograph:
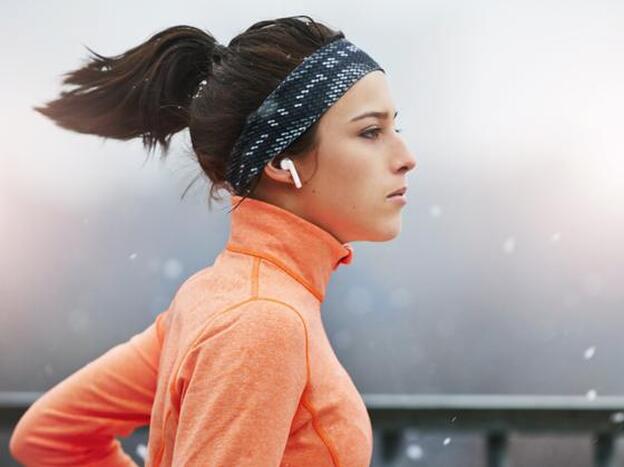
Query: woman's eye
x,y
376,131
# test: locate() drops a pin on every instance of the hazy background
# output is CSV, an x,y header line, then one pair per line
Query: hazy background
x,y
506,277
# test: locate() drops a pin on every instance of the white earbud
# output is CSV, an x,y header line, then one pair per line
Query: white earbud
x,y
288,164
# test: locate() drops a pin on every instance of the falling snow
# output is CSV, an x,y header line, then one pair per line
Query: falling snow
x,y
509,245
435,211
172,268
589,352
141,451
617,417
414,451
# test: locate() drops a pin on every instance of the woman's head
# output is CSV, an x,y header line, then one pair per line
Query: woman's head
x,y
183,77
357,160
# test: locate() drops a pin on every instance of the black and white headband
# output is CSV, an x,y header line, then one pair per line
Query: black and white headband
x,y
293,106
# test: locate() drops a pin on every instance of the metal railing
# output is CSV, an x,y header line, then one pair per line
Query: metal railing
x,y
495,416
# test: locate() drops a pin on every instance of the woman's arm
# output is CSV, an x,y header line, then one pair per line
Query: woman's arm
x,y
76,421
241,387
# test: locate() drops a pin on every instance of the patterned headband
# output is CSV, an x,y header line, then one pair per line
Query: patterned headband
x,y
293,106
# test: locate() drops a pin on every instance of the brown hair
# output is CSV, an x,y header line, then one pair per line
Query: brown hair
x,y
183,77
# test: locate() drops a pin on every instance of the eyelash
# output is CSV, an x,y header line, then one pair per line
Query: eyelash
x,y
376,130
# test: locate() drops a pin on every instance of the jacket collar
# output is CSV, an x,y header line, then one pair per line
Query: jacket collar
x,y
302,249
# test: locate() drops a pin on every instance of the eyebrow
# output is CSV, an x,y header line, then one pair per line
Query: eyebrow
x,y
381,115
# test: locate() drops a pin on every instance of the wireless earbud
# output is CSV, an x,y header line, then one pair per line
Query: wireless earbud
x,y
288,164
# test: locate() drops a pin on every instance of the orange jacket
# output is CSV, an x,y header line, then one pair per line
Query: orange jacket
x,y
238,371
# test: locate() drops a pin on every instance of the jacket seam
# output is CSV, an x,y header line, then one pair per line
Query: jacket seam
x,y
278,263
255,277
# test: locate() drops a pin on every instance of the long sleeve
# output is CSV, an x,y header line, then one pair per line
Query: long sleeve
x,y
76,421
242,384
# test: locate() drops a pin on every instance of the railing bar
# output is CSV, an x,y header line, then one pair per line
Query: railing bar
x,y
390,443
497,452
604,453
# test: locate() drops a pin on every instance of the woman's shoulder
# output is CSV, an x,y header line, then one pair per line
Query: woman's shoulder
x,y
264,317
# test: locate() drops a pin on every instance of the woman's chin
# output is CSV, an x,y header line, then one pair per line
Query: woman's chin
x,y
386,232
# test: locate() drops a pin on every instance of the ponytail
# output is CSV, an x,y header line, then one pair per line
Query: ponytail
x,y
146,91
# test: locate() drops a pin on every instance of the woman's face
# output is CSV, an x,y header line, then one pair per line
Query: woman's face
x,y
357,163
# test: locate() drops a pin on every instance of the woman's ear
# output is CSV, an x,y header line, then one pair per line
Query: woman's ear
x,y
273,171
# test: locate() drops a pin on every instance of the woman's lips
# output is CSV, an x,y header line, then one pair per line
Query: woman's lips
x,y
399,199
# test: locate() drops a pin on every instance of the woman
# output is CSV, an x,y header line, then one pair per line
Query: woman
x,y
297,124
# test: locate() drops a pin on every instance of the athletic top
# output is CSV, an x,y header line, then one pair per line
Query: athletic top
x,y
238,371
